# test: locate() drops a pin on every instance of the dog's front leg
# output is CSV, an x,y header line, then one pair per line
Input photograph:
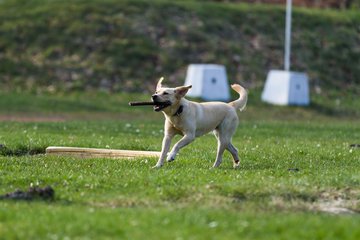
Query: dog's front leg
x,y
188,138
169,133
164,149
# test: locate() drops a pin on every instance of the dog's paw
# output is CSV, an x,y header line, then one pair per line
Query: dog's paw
x,y
236,165
157,166
170,157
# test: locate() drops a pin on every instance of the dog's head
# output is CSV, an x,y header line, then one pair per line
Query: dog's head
x,y
166,97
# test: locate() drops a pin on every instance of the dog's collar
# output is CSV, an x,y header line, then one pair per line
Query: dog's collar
x,y
179,111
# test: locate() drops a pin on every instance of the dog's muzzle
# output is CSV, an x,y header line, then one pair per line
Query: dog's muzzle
x,y
161,105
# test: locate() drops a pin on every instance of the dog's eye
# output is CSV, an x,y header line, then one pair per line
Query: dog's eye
x,y
165,93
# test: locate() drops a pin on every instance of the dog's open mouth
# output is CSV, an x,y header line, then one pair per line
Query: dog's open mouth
x,y
161,105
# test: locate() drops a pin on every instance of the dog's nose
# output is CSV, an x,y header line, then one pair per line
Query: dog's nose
x,y
154,97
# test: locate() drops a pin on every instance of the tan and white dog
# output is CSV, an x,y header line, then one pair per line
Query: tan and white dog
x,y
192,119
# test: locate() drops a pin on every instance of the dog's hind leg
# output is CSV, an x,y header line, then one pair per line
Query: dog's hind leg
x,y
220,151
234,152
224,133
222,145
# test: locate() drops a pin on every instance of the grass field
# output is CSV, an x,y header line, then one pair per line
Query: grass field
x,y
76,44
299,178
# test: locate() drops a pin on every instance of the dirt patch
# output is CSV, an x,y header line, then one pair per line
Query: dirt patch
x,y
21,151
337,202
334,207
333,202
33,193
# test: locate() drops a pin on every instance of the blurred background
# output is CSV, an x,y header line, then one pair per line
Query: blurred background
x,y
124,46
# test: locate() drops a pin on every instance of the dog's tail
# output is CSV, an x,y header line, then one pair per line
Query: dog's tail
x,y
240,103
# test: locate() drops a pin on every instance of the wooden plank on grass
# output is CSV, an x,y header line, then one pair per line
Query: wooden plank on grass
x,y
99,152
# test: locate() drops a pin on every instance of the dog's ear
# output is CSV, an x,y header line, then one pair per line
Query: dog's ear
x,y
159,84
181,91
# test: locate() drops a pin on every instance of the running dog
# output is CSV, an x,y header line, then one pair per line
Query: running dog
x,y
192,119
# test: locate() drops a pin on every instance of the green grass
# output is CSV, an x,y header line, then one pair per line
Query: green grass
x,y
186,199
124,45
126,198
52,47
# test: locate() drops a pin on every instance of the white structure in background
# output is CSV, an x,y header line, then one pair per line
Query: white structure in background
x,y
208,81
285,87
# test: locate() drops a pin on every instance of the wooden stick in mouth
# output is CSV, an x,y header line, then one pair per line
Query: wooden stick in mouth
x,y
167,103
141,103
